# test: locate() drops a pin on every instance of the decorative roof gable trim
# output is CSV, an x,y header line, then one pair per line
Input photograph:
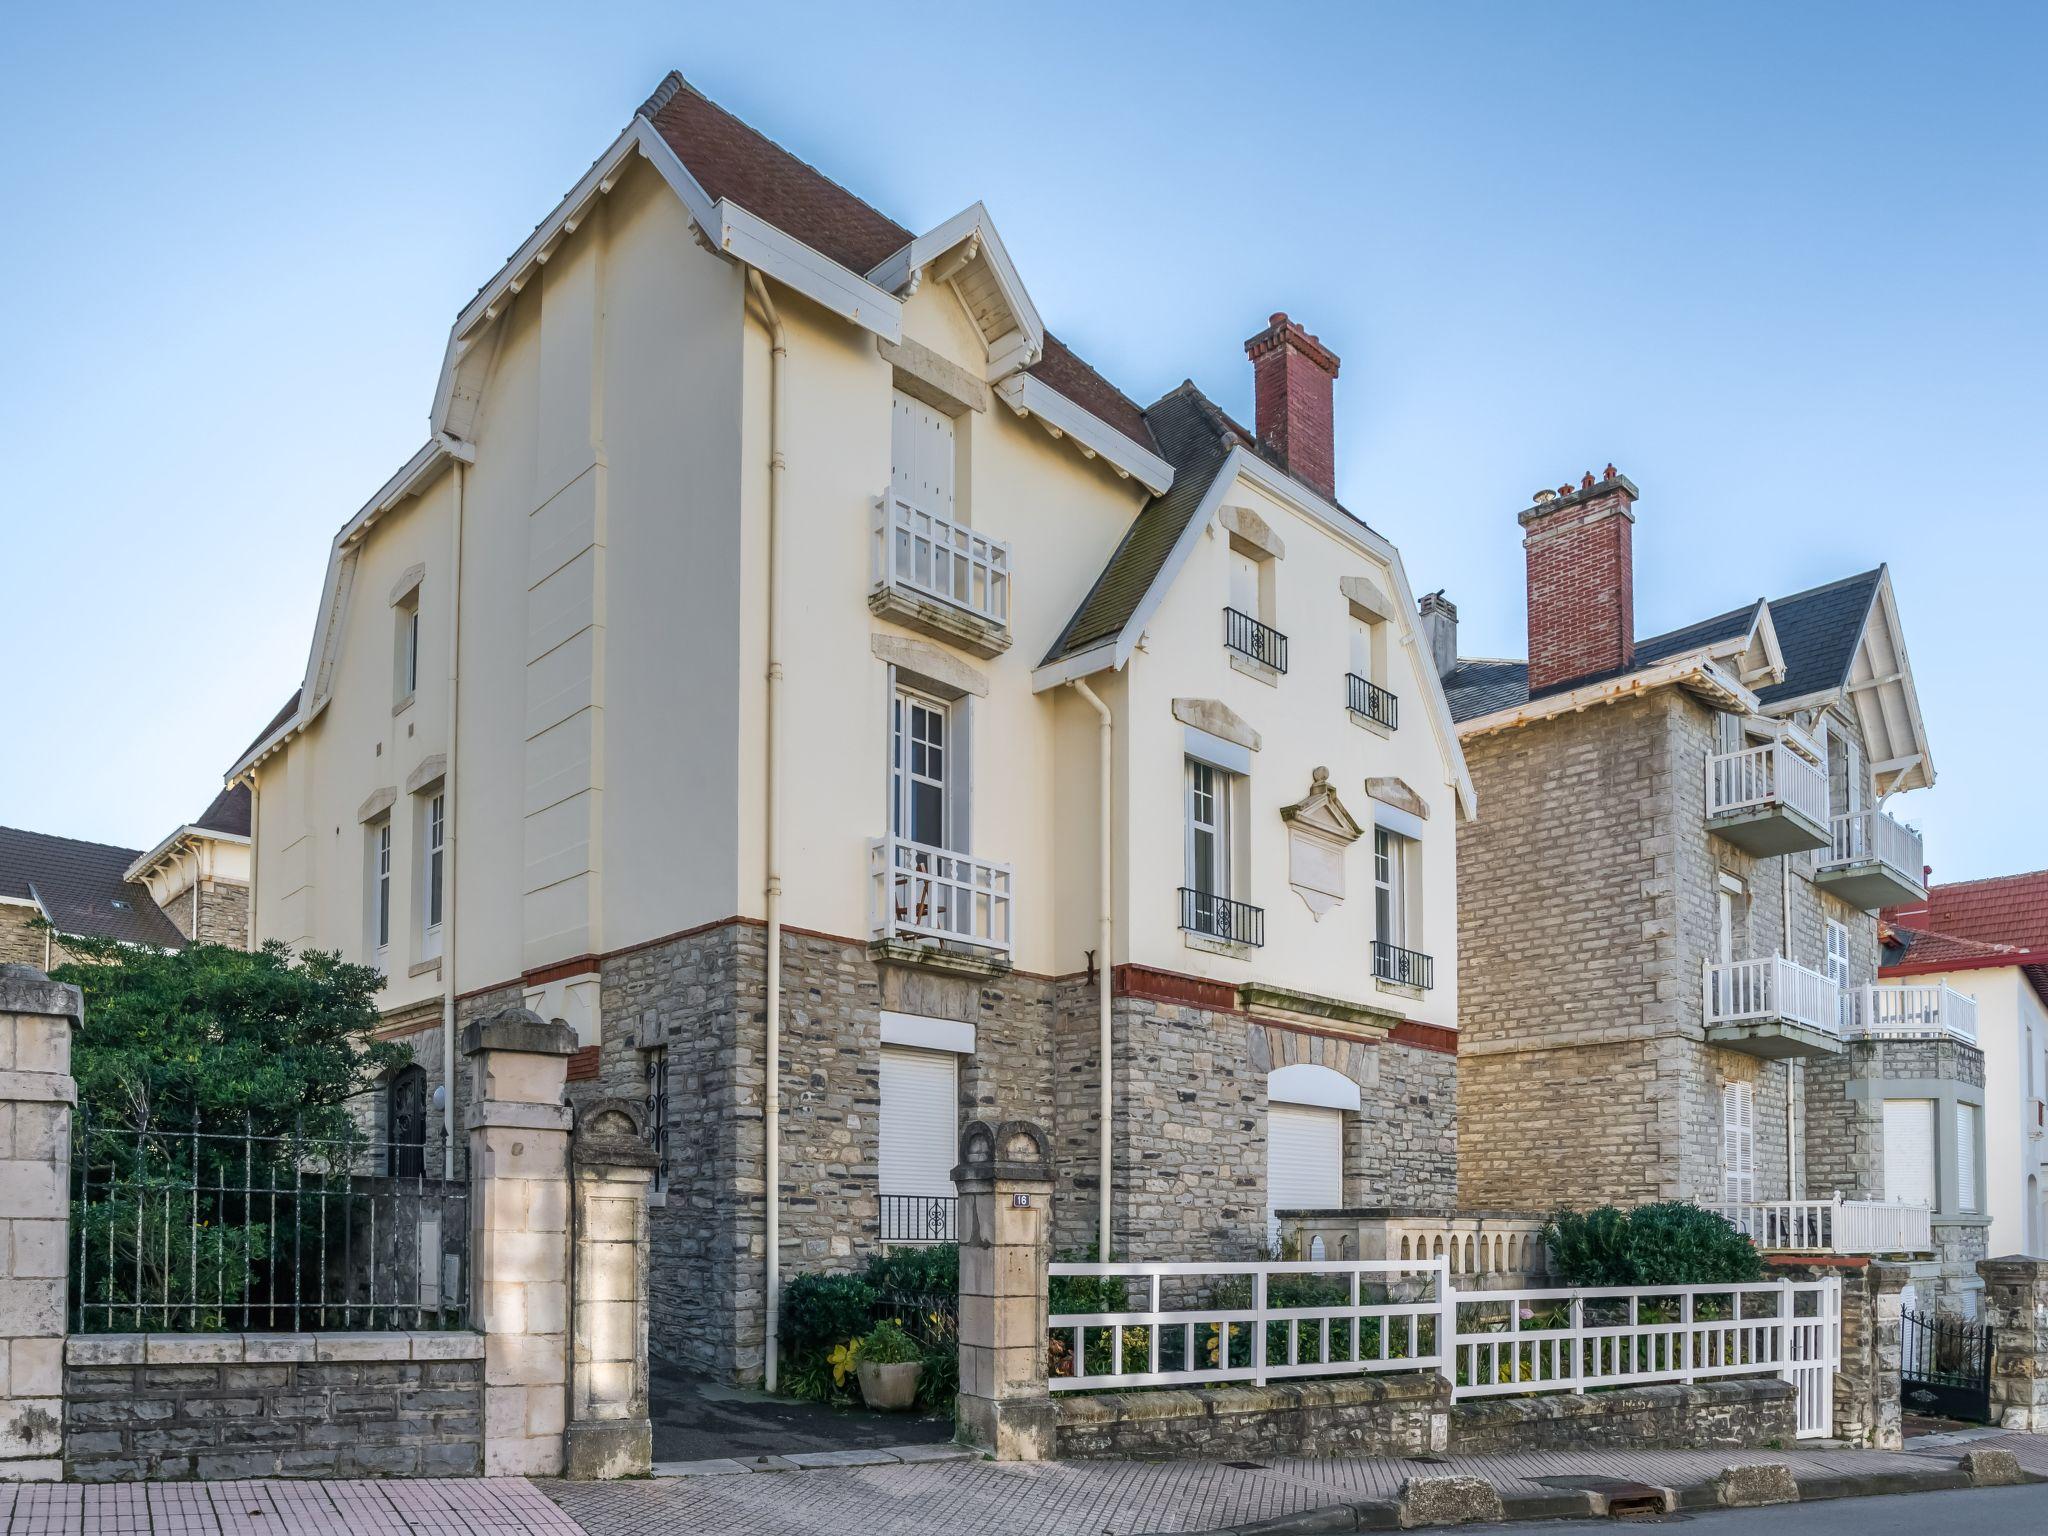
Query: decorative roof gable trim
x,y
903,272
1029,395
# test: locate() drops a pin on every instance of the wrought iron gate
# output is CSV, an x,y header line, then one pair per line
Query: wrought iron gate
x,y
1945,1367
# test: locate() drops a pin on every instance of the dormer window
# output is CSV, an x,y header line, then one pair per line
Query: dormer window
x,y
933,572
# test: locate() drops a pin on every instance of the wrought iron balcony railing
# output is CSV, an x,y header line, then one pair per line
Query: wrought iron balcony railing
x,y
1372,701
1218,917
1403,967
1255,641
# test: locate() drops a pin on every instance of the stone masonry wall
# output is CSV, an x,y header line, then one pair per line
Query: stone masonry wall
x,y
1713,1415
1591,906
272,1405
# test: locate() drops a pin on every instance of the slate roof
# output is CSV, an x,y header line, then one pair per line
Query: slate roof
x,y
1818,631
731,160
228,813
80,887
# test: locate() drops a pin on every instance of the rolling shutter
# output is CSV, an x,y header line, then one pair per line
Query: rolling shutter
x,y
1738,1143
1966,1157
1909,1150
1304,1159
920,1121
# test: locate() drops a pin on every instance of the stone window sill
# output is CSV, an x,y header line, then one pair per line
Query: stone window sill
x,y
402,705
425,967
1367,723
1211,946
1257,670
1395,987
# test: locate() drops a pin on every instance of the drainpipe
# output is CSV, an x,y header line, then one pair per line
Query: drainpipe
x,y
1794,1075
771,894
1105,927
452,812
255,832
195,895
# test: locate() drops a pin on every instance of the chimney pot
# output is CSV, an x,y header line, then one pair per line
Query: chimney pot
x,y
1294,377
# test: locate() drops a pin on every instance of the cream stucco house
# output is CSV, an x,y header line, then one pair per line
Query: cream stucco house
x,y
791,665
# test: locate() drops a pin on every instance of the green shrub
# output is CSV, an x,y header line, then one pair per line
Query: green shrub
x,y
1672,1243
916,1272
887,1344
819,1314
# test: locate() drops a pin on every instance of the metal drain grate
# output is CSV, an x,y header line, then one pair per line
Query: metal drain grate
x,y
1248,1466
1626,1500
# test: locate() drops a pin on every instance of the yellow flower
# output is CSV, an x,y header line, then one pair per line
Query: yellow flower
x,y
845,1360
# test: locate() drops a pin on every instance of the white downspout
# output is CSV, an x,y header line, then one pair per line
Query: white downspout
x,y
1105,926
453,813
771,894
195,895
1794,1073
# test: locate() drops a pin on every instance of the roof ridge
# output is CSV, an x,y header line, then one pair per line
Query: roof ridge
x,y
664,93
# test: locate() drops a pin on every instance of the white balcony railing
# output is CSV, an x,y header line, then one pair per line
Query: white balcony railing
x,y
1772,989
1763,777
1862,837
926,554
1831,1226
920,893
1911,1011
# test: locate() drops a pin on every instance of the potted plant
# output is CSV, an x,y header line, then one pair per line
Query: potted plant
x,y
890,1362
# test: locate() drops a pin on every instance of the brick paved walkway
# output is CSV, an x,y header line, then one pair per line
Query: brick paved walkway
x,y
397,1507
979,1498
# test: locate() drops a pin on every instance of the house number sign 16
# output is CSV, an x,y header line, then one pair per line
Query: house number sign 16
x,y
1021,1202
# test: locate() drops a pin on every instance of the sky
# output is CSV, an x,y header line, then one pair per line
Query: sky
x,y
1783,266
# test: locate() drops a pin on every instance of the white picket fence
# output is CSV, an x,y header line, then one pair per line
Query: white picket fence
x,y
1205,1324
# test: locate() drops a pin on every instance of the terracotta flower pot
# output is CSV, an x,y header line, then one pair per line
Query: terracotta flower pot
x,y
890,1388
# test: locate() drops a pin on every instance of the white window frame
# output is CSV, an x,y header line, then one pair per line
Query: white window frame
x,y
1392,917
1201,781
1969,1196
433,873
405,648
1738,1143
904,706
380,893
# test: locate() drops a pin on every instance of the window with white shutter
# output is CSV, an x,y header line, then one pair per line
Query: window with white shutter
x,y
920,1121
1966,1157
1304,1160
1909,1151
1738,1143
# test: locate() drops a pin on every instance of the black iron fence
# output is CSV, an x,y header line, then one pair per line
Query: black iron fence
x,y
1945,1366
1218,917
919,1218
1403,967
1259,642
225,1230
1372,701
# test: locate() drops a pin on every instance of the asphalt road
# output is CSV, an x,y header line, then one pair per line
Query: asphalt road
x,y
1980,1511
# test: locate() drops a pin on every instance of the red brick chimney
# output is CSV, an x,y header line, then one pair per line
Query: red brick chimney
x,y
1582,589
1293,375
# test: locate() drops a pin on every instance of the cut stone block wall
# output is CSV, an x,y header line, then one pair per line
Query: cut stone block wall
x,y
1717,1415
1400,1414
272,1405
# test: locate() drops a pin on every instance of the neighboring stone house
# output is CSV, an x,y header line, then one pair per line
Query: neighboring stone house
x,y
195,882
770,571
1668,936
1977,950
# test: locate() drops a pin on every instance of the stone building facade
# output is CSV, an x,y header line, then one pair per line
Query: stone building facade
x,y
1606,891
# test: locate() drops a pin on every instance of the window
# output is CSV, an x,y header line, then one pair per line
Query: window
x,y
1362,661
918,769
1208,851
1838,969
1390,858
1738,1143
380,892
920,1142
1732,899
657,1112
1909,1151
1966,1157
1728,736
406,647
432,880
405,1123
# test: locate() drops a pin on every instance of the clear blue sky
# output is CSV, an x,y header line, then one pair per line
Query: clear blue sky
x,y
1782,264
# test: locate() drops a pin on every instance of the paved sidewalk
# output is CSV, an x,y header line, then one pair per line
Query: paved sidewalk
x,y
1121,1498
469,1506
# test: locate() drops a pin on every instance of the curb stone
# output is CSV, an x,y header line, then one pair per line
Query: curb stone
x,y
1992,1468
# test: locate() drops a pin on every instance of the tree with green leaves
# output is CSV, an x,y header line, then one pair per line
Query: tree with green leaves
x,y
212,1036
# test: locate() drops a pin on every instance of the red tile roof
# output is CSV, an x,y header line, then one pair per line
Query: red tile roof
x,y
2009,909
731,160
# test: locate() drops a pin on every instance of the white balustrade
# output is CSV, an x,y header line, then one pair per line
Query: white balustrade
x,y
1150,1325
1911,1011
919,893
1772,989
1862,837
1758,778
924,553
1831,1226
1202,1324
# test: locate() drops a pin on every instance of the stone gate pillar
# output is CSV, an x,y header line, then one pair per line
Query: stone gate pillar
x,y
1005,1186
519,1235
2016,1307
37,1016
610,1434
